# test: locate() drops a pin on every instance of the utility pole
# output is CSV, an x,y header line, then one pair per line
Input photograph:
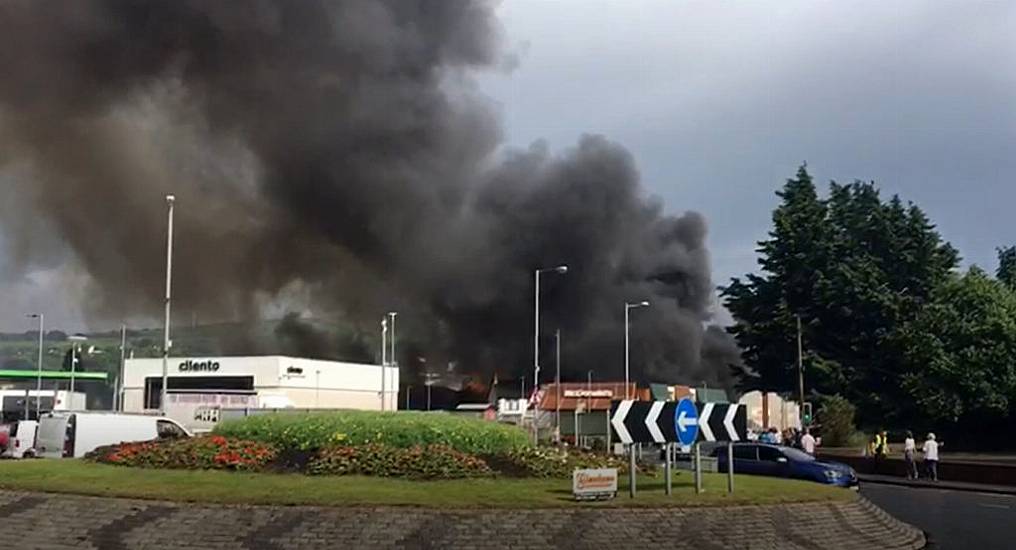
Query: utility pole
x,y
800,371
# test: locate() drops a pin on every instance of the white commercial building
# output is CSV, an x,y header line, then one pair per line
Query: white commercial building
x,y
199,385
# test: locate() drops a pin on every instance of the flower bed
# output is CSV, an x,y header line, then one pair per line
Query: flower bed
x,y
315,431
430,462
547,462
199,453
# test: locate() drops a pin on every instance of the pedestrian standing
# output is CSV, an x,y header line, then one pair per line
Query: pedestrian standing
x,y
909,448
931,456
880,446
808,442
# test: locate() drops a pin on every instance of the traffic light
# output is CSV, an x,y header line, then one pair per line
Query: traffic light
x,y
806,417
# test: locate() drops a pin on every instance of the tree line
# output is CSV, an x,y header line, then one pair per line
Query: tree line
x,y
889,321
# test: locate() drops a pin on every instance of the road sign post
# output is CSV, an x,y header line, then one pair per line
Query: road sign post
x,y
730,466
686,422
631,471
698,468
667,468
667,423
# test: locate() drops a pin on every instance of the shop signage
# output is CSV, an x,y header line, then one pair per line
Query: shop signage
x,y
594,484
588,393
199,366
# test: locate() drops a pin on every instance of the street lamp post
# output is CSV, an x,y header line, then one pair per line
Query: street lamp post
x,y
627,308
384,357
170,200
118,401
557,382
394,364
75,358
38,377
589,394
562,269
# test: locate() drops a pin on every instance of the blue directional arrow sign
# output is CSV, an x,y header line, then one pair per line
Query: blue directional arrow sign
x,y
686,422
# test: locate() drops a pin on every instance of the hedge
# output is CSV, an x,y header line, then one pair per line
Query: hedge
x,y
315,431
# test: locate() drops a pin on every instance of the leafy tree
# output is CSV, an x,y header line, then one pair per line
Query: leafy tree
x,y
1007,266
765,305
837,419
961,354
856,269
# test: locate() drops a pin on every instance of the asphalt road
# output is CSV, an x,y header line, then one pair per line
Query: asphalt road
x,y
952,519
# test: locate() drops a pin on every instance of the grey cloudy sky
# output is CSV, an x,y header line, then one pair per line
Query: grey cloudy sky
x,y
721,101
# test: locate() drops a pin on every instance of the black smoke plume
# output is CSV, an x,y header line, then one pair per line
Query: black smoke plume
x,y
334,155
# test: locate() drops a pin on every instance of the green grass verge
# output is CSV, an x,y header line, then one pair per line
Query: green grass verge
x,y
75,476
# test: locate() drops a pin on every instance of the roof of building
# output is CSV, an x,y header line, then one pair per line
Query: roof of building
x,y
711,395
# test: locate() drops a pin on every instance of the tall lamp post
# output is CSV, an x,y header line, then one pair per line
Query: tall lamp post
x,y
75,357
557,384
170,200
628,306
38,377
384,357
561,269
118,398
394,363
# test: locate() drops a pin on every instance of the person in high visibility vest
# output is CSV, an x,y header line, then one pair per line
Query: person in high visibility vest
x,y
879,449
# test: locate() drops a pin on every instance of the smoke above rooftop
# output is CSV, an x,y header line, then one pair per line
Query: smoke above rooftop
x,y
334,157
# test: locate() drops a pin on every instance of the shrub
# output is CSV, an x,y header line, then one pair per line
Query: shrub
x,y
430,462
837,419
199,453
547,462
314,431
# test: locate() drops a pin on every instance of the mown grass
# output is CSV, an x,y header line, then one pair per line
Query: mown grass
x,y
79,477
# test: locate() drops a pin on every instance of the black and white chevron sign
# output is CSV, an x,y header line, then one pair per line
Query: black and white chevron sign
x,y
722,422
654,421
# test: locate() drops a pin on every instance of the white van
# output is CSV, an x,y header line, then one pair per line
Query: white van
x,y
73,434
22,439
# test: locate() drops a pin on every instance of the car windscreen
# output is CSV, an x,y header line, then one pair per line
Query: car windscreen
x,y
797,455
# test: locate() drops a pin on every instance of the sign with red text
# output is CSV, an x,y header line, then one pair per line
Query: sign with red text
x,y
594,484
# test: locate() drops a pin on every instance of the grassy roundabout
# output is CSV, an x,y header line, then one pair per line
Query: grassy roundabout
x,y
352,458
80,477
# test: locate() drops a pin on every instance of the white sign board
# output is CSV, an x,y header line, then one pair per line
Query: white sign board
x,y
588,393
199,412
594,483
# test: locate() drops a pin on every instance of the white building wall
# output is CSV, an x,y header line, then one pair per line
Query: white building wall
x,y
306,383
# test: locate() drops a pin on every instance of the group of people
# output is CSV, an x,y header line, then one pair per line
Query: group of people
x,y
879,449
792,437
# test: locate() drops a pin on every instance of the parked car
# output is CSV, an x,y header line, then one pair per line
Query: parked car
x,y
779,461
21,440
73,434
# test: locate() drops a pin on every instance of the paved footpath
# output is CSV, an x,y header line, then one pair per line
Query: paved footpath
x,y
49,521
